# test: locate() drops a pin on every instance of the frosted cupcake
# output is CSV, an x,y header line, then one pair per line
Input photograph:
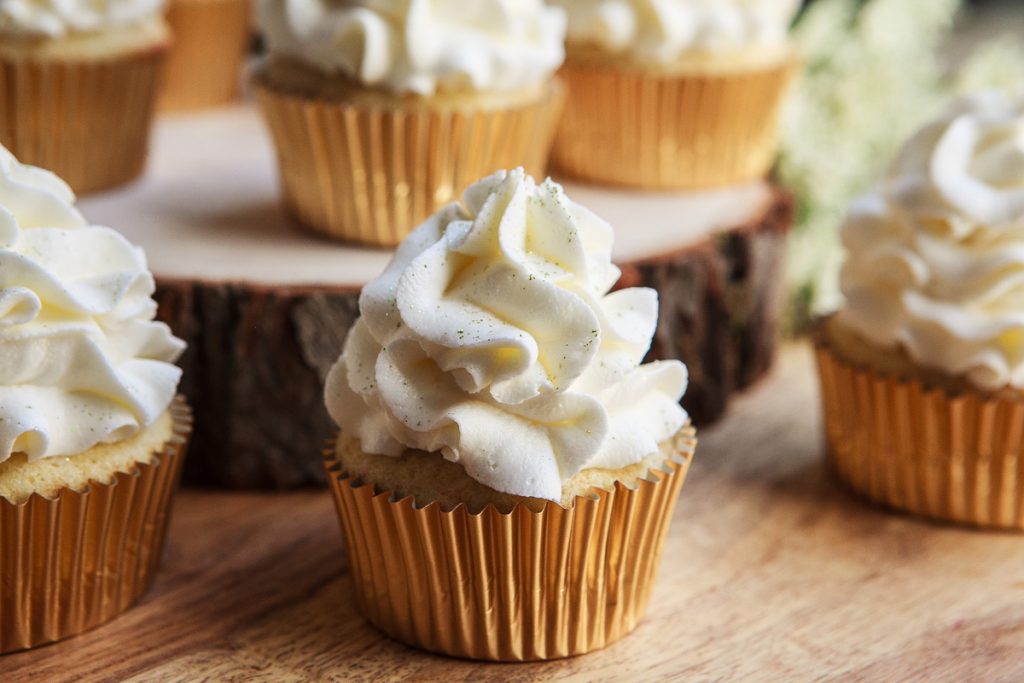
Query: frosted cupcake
x,y
211,40
91,437
679,94
506,469
382,112
78,83
923,370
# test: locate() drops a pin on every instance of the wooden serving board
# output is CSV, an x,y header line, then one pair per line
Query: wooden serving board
x,y
265,308
771,572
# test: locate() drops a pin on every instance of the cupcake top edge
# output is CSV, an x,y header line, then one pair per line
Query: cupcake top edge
x,y
420,47
82,360
667,31
935,253
493,337
64,18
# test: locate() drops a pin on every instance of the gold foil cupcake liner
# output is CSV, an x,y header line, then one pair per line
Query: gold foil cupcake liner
x,y
657,131
372,174
958,458
87,121
77,560
211,39
521,585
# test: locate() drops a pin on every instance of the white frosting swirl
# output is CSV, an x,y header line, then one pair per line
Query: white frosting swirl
x,y
663,31
59,18
421,46
81,360
936,253
491,337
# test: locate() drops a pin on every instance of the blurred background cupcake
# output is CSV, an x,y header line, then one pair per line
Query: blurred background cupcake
x,y
923,369
78,84
527,463
91,437
210,42
677,94
382,112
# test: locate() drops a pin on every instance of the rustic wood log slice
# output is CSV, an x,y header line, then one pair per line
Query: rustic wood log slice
x,y
265,308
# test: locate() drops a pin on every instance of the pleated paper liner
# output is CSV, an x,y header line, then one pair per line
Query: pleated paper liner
x,y
73,562
513,586
636,129
957,458
211,38
372,174
87,121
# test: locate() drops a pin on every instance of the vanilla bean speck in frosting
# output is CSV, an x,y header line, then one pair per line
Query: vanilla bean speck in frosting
x,y
60,18
663,31
492,338
936,252
420,46
81,359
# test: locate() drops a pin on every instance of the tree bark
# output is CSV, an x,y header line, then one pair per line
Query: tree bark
x,y
258,355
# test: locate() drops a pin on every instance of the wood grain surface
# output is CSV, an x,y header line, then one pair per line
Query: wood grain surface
x,y
771,572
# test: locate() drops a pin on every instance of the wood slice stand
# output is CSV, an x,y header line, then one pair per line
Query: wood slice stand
x,y
720,302
265,308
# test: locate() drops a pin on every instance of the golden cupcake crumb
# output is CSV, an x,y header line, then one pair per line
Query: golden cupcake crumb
x,y
429,478
98,45
20,479
854,349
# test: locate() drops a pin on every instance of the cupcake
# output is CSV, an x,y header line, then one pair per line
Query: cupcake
x,y
211,40
91,435
78,83
506,470
679,94
923,369
381,112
